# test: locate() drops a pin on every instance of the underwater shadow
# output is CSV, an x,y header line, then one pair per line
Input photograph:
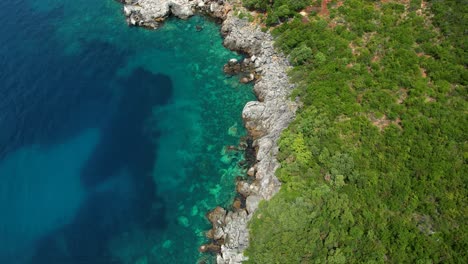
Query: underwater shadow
x,y
127,142
118,178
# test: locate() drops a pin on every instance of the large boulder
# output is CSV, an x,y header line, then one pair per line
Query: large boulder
x,y
182,11
254,113
252,202
217,219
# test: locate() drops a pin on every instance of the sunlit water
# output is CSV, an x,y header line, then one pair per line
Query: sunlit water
x,y
112,139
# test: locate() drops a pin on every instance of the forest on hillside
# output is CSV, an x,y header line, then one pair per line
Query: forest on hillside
x,y
374,165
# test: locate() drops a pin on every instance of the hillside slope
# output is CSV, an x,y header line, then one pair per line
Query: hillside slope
x,y
374,166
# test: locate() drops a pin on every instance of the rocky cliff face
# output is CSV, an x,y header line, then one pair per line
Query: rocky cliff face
x,y
264,119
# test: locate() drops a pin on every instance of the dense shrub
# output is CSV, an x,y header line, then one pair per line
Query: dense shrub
x,y
277,11
374,165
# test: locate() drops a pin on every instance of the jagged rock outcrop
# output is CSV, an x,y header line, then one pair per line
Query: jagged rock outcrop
x,y
150,13
264,119
245,68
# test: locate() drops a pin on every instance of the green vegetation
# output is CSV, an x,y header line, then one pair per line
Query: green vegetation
x,y
243,15
277,11
374,166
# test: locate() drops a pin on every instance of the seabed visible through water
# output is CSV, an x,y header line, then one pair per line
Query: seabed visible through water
x,y
112,147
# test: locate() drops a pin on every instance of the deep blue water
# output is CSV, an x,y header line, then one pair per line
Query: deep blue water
x,y
112,139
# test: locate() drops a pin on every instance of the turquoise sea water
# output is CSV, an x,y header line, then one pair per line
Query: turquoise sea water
x,y
113,139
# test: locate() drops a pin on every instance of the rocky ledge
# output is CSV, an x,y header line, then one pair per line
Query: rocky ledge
x,y
264,119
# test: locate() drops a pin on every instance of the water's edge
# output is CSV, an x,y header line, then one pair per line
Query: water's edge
x,y
264,119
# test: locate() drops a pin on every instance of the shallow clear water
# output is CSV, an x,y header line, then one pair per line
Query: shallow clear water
x,y
112,139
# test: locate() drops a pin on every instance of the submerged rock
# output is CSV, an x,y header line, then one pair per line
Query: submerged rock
x,y
128,2
232,131
217,220
183,221
217,215
167,244
237,204
214,248
245,80
245,68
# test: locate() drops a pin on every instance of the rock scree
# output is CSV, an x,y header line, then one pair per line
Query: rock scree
x,y
264,119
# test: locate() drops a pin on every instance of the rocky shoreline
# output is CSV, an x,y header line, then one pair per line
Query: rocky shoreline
x,y
264,119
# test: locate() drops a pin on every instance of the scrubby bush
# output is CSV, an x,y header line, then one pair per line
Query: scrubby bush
x,y
301,55
277,11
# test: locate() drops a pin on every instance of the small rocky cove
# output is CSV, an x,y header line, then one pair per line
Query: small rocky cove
x,y
264,119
